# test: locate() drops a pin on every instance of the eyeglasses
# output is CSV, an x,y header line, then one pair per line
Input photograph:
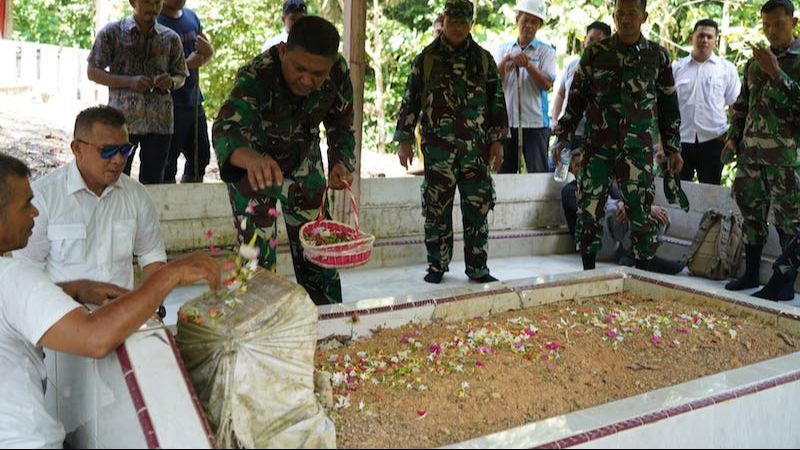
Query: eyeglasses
x,y
108,151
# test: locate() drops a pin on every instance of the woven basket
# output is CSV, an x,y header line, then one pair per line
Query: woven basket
x,y
352,253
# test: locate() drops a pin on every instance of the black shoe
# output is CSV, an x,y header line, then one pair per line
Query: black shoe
x,y
779,288
752,264
626,260
661,265
484,279
588,261
434,277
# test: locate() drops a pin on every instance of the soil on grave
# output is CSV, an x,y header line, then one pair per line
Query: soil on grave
x,y
446,382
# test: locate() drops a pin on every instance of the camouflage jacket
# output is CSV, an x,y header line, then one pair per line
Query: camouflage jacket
x,y
262,113
766,116
623,90
465,103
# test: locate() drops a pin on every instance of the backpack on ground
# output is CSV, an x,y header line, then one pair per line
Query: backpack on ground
x,y
717,248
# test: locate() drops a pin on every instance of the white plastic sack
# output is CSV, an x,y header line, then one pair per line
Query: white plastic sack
x,y
251,360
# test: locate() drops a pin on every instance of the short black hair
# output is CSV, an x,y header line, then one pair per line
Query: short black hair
x,y
10,165
102,114
314,35
772,5
598,25
706,23
643,3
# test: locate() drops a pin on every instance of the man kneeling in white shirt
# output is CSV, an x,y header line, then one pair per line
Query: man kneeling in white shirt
x,y
92,217
36,313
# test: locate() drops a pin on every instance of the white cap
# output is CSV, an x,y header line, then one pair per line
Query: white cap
x,y
533,7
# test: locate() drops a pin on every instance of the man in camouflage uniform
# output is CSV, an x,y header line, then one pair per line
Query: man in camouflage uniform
x,y
764,134
267,142
624,84
455,93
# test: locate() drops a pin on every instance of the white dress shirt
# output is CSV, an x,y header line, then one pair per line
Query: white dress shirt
x,y
79,235
704,91
283,36
30,304
535,108
566,84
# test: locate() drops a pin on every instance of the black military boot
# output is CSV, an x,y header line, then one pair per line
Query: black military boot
x,y
588,261
434,277
779,288
752,263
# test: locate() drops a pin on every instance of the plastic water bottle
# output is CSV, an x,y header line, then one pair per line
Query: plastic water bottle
x,y
562,170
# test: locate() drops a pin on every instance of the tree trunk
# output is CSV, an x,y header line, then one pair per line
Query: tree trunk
x,y
102,15
355,30
6,19
724,28
377,66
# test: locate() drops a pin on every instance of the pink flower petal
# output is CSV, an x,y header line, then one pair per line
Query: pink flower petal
x,y
209,234
656,340
214,250
273,243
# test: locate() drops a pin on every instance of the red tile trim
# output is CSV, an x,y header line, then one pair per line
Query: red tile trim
x,y
135,392
196,401
394,242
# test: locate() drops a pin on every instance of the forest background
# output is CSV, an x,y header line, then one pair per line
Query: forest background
x,y
397,30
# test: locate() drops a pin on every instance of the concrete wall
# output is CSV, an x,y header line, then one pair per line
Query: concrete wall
x,y
527,219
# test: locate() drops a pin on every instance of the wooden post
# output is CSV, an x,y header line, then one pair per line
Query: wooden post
x,y
6,19
355,29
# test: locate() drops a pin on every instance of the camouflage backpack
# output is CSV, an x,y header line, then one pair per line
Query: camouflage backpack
x,y
717,248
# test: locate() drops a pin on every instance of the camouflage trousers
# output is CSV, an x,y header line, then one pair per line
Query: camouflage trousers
x,y
633,171
445,169
302,190
758,186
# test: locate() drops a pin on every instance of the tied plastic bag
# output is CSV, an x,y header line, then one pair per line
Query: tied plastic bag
x,y
250,356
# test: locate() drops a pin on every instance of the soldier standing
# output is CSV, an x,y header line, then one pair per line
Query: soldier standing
x,y
764,136
623,84
455,93
267,139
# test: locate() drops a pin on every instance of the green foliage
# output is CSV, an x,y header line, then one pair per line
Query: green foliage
x,y
59,22
238,28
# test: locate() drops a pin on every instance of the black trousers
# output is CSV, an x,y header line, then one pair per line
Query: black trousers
x,y
704,159
534,141
183,142
153,152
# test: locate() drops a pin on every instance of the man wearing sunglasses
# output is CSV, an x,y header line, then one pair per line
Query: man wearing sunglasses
x,y
92,218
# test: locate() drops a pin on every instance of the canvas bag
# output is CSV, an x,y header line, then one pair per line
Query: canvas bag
x,y
717,248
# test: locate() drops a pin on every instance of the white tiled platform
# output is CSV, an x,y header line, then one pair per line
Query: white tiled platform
x,y
397,281
406,281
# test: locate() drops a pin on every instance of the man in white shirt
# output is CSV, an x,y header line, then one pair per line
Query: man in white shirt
x,y
93,218
292,10
527,69
35,313
706,84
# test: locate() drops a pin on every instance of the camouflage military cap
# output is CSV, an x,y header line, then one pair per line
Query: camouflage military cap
x,y
459,9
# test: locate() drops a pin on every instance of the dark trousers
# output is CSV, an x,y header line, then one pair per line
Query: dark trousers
x,y
153,152
569,202
703,158
187,140
534,141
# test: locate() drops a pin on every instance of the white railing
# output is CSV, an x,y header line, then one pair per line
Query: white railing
x,y
49,71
